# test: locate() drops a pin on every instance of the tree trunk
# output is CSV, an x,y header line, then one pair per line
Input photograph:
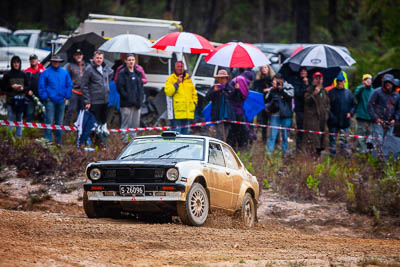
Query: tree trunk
x,y
332,20
261,21
303,21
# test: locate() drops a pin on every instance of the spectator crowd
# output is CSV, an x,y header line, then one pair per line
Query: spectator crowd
x,y
93,92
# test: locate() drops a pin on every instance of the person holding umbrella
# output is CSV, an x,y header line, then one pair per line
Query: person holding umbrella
x,y
180,88
342,109
300,84
384,107
363,118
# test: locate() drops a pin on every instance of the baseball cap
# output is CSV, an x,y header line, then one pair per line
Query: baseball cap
x,y
33,56
340,77
78,51
366,76
317,74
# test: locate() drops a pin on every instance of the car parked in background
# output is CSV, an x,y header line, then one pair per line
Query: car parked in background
x,y
36,38
171,174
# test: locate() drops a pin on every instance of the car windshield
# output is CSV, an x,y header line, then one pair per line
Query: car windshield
x,y
157,147
8,39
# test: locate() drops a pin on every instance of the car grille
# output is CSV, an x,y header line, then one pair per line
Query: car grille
x,y
133,175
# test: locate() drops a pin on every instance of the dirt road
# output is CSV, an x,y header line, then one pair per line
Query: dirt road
x,y
40,238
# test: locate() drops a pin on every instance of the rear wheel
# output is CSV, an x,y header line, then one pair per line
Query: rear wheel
x,y
92,209
194,210
249,210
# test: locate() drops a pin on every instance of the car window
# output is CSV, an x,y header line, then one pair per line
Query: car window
x,y
154,65
215,154
231,160
204,69
162,148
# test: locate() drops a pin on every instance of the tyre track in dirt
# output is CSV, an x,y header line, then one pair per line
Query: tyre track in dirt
x,y
37,238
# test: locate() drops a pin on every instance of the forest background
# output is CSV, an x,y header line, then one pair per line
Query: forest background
x,y
370,29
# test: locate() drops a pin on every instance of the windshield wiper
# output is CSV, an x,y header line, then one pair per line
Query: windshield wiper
x,y
173,151
139,152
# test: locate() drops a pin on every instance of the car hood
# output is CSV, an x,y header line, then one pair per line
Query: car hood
x,y
138,163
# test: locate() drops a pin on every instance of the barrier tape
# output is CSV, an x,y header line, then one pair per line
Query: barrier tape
x,y
165,128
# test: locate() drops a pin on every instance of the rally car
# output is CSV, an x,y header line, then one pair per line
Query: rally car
x,y
171,174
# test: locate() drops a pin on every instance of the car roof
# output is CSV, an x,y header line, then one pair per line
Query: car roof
x,y
185,136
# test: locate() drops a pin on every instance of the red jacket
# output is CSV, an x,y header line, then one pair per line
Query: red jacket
x,y
40,69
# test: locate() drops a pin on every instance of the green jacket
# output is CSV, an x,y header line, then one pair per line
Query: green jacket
x,y
362,95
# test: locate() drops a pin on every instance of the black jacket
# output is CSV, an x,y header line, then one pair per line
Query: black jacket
x,y
299,90
14,76
130,87
342,102
95,85
280,101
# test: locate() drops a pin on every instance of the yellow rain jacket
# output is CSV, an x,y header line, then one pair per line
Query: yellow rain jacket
x,y
184,96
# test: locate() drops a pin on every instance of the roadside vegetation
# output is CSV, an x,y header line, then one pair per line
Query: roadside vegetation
x,y
367,185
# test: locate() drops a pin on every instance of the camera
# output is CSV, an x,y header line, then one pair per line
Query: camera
x,y
278,83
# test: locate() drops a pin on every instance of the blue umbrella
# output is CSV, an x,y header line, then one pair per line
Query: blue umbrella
x,y
252,106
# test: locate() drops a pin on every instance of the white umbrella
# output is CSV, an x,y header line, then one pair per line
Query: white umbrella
x,y
127,43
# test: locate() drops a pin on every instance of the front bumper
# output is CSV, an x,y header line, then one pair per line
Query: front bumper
x,y
153,192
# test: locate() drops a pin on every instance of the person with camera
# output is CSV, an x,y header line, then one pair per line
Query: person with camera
x,y
221,108
279,105
181,90
384,108
316,114
342,109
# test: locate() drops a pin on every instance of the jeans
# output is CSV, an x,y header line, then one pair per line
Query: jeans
x,y
130,118
363,129
181,122
343,140
283,122
377,131
30,111
54,114
14,116
222,131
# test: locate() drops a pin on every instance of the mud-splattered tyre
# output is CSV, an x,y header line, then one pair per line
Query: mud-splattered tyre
x,y
194,211
92,209
249,211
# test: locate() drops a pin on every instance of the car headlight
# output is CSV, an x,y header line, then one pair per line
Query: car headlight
x,y
95,174
172,174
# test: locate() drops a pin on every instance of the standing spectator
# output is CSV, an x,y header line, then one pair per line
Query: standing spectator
x,y
384,107
130,88
279,104
95,91
262,83
221,108
33,74
362,95
75,70
15,84
342,109
238,135
316,114
55,87
118,67
300,84
180,88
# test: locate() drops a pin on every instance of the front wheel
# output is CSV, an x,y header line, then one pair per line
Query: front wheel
x,y
249,210
92,209
194,210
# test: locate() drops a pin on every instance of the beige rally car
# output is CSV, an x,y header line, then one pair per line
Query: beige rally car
x,y
171,175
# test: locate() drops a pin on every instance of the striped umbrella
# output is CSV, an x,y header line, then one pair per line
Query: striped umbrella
x,y
322,56
237,55
184,42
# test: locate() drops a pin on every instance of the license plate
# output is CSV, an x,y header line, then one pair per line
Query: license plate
x,y
131,190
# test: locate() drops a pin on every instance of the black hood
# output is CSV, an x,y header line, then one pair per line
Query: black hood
x,y
388,78
15,58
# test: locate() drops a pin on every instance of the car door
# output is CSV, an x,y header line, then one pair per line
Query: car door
x,y
220,182
234,170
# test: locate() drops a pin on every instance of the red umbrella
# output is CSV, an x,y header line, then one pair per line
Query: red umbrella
x,y
185,42
237,55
